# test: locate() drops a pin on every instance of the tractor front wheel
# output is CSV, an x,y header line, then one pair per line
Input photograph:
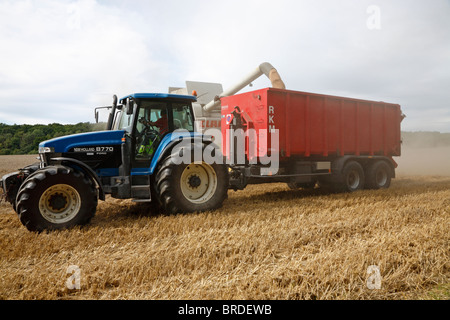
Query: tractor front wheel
x,y
56,198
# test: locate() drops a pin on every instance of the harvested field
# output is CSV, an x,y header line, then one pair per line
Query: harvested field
x,y
267,242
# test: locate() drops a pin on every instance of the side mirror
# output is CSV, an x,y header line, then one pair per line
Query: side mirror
x,y
97,113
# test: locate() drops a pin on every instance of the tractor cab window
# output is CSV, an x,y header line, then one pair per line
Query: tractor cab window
x,y
182,118
155,119
152,125
125,121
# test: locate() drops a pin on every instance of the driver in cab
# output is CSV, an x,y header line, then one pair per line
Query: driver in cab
x,y
149,142
162,123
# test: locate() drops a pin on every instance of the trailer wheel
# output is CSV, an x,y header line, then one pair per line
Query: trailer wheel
x,y
194,187
378,175
352,178
56,198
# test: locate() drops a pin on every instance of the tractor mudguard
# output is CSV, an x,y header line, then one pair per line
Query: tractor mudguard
x,y
86,169
169,142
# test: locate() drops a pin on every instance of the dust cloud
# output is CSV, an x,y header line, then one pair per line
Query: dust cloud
x,y
424,153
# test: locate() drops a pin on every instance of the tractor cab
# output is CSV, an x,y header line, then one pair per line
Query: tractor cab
x,y
147,118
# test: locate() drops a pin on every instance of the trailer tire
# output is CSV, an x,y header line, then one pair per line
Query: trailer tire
x,y
352,178
187,188
56,198
378,175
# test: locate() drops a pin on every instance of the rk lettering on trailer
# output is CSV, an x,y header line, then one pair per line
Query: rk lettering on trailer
x,y
272,127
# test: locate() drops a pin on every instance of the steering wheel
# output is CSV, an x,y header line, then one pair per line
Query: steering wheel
x,y
148,127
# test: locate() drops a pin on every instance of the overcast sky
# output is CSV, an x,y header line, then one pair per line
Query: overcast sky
x,y
59,58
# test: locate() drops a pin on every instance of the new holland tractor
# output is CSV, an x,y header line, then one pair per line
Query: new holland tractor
x,y
132,159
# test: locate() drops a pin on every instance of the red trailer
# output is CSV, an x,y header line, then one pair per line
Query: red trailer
x,y
340,142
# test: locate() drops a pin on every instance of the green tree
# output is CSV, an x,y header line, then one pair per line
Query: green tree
x,y
25,139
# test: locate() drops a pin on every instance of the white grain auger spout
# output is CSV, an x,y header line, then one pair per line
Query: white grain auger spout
x,y
265,68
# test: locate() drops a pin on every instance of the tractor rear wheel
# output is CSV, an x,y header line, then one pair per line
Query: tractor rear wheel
x,y
194,187
56,198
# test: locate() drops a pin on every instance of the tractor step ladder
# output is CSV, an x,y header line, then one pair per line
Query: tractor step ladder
x,y
141,192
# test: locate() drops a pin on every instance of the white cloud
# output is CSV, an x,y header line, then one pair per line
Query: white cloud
x,y
60,56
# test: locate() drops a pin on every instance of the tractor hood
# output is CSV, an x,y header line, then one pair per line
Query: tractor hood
x,y
82,140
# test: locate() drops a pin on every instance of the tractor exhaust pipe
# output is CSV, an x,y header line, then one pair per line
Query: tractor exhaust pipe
x,y
265,68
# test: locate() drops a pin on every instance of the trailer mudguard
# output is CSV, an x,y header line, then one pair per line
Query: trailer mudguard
x,y
338,164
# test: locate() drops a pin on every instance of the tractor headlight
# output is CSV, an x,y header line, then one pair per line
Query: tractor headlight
x,y
46,150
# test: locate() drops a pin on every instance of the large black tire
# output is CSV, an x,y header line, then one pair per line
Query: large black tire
x,y
187,188
352,178
378,175
56,198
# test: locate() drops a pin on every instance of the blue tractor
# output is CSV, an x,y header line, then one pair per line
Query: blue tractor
x,y
133,158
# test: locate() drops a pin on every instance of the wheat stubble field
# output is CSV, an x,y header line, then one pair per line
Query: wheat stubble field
x,y
267,242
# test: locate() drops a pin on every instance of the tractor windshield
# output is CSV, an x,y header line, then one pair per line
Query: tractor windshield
x,y
155,119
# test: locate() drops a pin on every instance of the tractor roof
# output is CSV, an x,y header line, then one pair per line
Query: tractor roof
x,y
160,96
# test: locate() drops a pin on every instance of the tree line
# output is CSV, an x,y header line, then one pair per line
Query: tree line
x,y
25,139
